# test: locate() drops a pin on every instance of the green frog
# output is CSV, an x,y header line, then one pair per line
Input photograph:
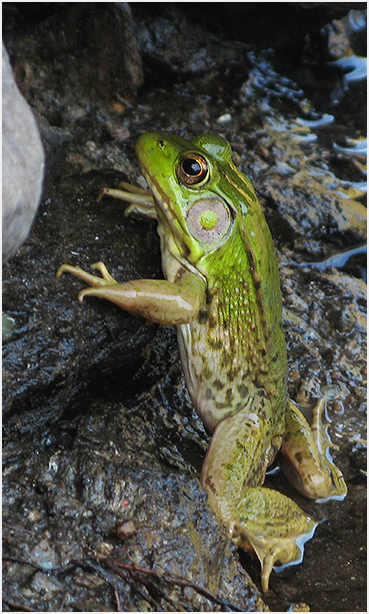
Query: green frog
x,y
222,291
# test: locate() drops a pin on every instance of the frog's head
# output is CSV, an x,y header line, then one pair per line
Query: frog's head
x,y
196,189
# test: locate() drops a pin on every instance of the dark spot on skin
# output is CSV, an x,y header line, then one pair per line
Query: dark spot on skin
x,y
257,384
262,393
212,322
246,376
220,405
210,484
202,317
209,394
209,297
180,272
298,457
262,414
229,395
243,390
231,374
226,361
216,345
207,373
218,384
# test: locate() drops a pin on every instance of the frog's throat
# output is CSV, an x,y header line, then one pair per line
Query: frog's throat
x,y
188,248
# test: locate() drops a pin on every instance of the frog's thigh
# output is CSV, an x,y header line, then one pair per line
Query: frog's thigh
x,y
306,460
257,518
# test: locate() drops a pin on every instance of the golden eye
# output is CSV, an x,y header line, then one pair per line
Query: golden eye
x,y
209,220
193,170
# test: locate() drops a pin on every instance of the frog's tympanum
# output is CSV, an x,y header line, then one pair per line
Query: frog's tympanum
x,y
221,290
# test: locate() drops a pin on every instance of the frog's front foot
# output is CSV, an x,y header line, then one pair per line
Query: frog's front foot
x,y
141,202
98,284
156,300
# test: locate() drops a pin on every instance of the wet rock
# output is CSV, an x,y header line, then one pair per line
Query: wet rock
x,y
99,431
321,208
114,471
283,26
102,35
94,43
167,40
45,586
44,555
30,362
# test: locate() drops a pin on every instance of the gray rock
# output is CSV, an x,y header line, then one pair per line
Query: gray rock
x,y
23,164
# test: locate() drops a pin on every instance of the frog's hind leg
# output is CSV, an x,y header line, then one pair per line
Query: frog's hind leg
x,y
258,519
306,459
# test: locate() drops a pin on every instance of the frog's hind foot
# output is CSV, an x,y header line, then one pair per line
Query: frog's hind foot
x,y
306,459
319,430
274,527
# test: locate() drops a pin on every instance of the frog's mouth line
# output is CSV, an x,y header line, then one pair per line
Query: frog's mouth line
x,y
182,252
168,216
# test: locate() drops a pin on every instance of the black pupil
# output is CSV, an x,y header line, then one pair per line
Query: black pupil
x,y
191,167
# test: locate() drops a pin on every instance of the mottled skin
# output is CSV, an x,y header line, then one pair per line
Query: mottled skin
x,y
222,292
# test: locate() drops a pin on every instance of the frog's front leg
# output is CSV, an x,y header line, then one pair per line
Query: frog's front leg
x,y
257,518
141,202
156,300
306,460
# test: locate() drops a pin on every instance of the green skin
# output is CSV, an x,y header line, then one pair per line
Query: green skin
x,y
222,292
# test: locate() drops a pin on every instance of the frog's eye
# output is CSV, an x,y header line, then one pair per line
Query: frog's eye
x,y
193,170
209,219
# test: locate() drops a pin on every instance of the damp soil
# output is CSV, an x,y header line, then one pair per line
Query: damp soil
x,y
102,449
